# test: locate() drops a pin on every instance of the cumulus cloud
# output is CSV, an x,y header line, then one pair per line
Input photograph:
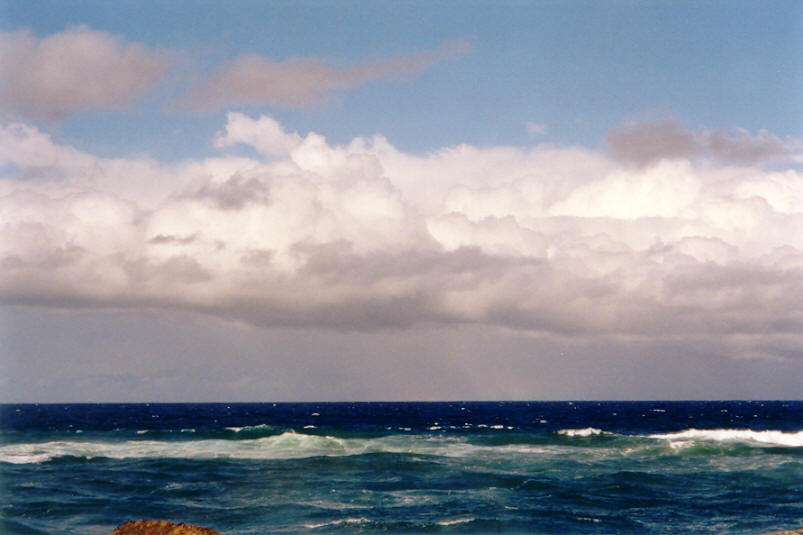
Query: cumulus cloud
x,y
557,242
295,82
80,68
265,135
648,142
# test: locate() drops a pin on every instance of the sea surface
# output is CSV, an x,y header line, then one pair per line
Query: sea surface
x,y
732,467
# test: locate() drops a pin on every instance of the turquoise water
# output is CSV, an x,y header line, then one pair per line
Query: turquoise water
x,y
583,467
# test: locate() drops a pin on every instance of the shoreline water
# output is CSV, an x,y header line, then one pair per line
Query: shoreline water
x,y
163,527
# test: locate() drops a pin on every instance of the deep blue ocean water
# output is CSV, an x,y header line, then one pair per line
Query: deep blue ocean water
x,y
731,467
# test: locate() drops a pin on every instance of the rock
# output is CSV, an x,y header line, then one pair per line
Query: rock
x,y
160,527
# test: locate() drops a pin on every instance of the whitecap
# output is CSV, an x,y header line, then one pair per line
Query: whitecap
x,y
776,438
21,458
288,445
586,432
452,522
251,428
338,522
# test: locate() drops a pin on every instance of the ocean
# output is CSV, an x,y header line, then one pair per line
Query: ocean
x,y
715,467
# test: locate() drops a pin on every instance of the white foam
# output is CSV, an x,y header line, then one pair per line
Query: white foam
x,y
777,438
454,521
288,445
260,427
284,446
338,522
589,519
22,458
586,432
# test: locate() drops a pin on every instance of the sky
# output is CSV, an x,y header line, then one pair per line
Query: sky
x,y
458,200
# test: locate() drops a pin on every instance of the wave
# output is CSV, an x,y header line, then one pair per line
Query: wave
x,y
586,432
251,428
294,445
338,522
287,445
455,521
744,436
228,433
773,438
284,446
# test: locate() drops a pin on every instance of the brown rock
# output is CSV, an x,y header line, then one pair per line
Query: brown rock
x,y
160,527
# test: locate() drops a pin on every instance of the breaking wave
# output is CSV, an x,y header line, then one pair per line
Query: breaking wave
x,y
586,432
294,445
774,438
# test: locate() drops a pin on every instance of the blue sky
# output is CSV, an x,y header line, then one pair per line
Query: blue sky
x,y
267,201
578,67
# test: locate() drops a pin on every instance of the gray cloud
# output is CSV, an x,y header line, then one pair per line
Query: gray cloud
x,y
254,79
233,193
162,238
742,147
77,69
648,142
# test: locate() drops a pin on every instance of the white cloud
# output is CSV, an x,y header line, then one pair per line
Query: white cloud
x,y
79,68
265,134
555,241
665,190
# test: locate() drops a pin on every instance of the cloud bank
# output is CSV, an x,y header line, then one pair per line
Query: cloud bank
x,y
555,241
80,68
296,82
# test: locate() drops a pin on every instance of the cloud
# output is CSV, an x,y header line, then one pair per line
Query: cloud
x,y
562,243
651,141
78,69
265,135
536,128
296,82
